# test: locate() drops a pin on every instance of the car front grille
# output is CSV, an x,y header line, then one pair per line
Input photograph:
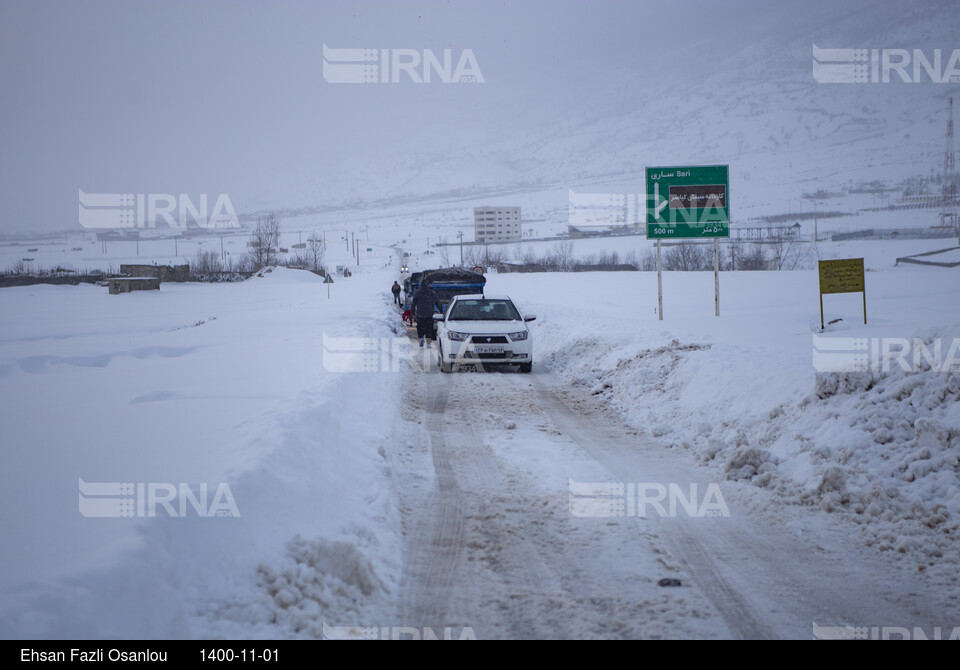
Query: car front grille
x,y
488,339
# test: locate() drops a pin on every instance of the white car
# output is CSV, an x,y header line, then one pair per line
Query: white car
x,y
476,330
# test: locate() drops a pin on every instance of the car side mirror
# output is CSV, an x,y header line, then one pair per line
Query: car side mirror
x,y
532,317
437,316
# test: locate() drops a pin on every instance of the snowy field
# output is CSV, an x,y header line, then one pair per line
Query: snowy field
x,y
430,235
330,472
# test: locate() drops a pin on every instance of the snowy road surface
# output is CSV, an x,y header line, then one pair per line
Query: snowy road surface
x,y
378,496
492,545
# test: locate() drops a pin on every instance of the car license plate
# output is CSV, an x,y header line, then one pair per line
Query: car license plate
x,y
489,348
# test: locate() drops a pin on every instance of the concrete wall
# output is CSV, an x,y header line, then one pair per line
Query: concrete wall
x,y
178,273
128,284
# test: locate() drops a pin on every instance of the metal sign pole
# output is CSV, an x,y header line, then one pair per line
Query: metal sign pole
x,y
716,275
659,286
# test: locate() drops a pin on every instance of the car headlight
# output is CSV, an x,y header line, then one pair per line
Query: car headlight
x,y
522,335
457,337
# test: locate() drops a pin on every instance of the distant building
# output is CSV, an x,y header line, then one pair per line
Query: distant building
x,y
496,224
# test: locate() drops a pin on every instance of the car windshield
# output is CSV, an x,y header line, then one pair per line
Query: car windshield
x,y
484,310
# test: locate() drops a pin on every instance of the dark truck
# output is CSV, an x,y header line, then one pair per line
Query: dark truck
x,y
447,282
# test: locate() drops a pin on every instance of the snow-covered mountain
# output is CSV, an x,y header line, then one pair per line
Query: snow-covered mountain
x,y
752,104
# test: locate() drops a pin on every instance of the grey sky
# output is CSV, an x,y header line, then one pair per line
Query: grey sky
x,y
210,97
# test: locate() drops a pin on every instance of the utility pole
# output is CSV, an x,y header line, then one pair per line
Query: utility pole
x,y
948,198
816,237
460,235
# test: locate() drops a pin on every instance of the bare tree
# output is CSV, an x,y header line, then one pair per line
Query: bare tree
x,y
315,254
648,262
687,257
736,253
608,257
562,256
753,258
264,242
529,257
472,257
786,251
444,252
206,263
495,256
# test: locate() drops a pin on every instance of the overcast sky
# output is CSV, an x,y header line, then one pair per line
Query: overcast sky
x,y
221,97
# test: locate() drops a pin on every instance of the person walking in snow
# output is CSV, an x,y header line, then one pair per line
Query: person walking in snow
x,y
424,302
396,293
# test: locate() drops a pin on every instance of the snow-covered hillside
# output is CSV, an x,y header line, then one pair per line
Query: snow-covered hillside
x,y
752,104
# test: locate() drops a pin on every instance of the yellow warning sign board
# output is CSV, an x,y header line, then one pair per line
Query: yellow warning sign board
x,y
842,276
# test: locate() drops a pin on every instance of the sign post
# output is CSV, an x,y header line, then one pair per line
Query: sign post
x,y
716,276
688,203
659,285
328,281
842,276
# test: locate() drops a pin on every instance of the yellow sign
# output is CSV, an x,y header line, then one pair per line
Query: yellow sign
x,y
842,276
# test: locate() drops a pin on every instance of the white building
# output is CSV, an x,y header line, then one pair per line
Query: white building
x,y
496,224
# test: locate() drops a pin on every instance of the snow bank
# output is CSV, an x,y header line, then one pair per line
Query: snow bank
x,y
223,383
740,394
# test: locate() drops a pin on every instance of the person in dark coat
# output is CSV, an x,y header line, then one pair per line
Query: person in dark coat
x,y
396,293
424,302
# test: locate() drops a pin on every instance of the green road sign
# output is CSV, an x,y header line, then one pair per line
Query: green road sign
x,y
689,201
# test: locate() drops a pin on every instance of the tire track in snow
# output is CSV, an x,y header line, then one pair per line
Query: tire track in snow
x,y
737,614
527,567
763,581
437,547
517,577
464,539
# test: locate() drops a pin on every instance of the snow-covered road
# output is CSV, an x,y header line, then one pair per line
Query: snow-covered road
x,y
492,544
